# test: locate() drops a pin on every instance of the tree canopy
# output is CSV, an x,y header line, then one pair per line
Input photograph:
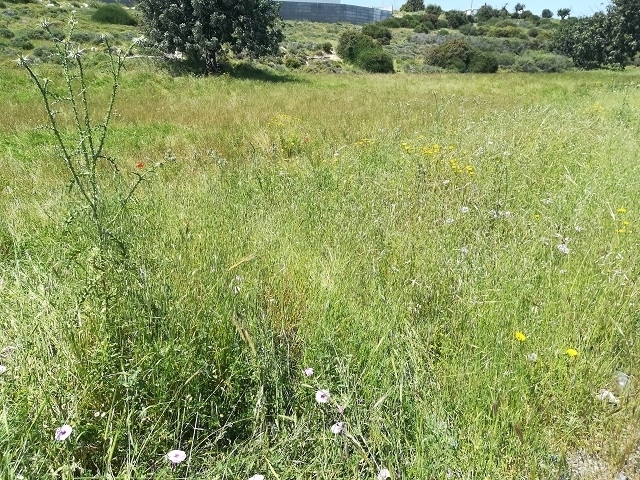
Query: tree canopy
x,y
413,6
206,30
610,39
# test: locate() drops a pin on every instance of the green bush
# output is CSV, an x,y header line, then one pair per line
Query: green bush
x,y
6,33
327,47
83,37
483,62
533,62
352,43
377,31
3,5
292,62
375,61
507,32
22,43
468,29
114,14
452,55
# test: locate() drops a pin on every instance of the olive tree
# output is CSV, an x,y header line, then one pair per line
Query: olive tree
x,y
206,30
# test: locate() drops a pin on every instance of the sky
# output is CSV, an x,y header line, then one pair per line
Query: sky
x,y
578,8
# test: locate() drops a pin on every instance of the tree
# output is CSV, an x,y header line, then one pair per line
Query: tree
x,y
434,9
456,18
625,30
519,7
487,12
564,13
546,13
610,39
205,30
413,6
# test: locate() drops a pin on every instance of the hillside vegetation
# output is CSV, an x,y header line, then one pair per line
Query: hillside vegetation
x,y
276,274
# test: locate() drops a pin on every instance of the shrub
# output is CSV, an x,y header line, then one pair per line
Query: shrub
x,y
22,43
452,54
352,42
468,29
507,32
83,37
456,18
292,62
44,52
533,32
483,62
114,14
327,47
434,9
533,62
6,33
377,31
3,5
375,61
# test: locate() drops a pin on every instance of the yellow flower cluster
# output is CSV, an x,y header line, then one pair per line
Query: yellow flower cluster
x,y
364,142
624,226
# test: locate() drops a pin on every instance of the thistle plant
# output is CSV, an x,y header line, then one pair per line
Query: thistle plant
x,y
100,188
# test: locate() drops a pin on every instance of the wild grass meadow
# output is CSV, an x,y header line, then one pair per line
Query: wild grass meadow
x,y
322,276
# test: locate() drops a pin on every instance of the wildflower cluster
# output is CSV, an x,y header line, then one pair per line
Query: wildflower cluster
x,y
289,139
364,142
437,153
624,226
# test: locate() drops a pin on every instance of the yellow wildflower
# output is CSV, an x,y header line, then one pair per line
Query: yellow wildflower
x,y
572,352
521,337
621,210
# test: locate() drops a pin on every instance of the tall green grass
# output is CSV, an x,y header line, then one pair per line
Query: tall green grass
x,y
392,233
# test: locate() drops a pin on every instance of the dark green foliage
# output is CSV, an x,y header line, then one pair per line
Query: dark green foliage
x,y
487,12
327,47
434,9
451,55
22,43
3,5
113,14
564,12
456,18
292,61
533,32
6,33
352,43
44,52
413,6
363,51
377,31
482,62
375,61
205,29
593,42
541,62
468,29
83,37
546,13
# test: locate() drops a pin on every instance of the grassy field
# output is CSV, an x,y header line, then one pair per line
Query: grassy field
x,y
455,257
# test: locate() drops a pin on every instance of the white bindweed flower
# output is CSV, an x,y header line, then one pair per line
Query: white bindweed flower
x,y
63,432
176,456
622,379
322,396
308,372
337,428
257,476
341,409
384,474
464,251
464,209
607,396
564,249
532,357
3,369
